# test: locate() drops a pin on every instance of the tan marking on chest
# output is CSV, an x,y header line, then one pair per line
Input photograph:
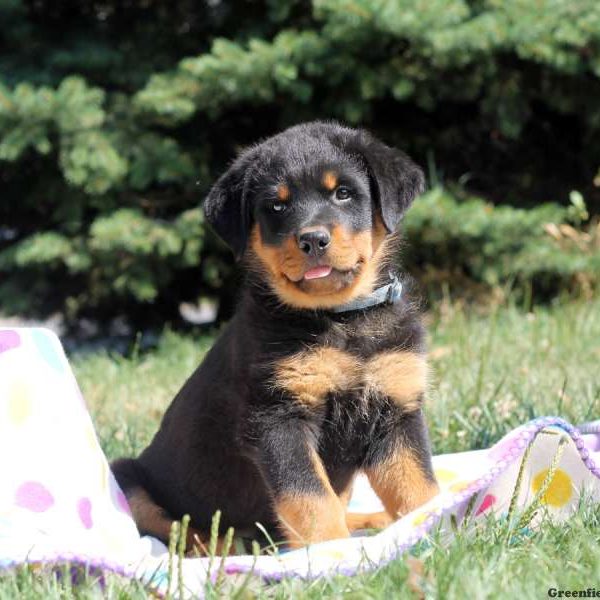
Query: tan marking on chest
x,y
399,375
312,374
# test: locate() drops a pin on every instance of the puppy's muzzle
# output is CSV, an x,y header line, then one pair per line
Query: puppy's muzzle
x,y
314,242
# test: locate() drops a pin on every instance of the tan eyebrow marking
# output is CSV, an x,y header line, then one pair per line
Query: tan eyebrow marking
x,y
283,192
329,180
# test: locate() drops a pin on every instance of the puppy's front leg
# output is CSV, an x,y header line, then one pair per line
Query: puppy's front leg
x,y
398,463
307,508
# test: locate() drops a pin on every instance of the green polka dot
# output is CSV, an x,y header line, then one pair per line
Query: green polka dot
x,y
48,348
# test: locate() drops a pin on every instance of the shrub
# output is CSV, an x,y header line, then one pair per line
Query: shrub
x,y
473,242
115,118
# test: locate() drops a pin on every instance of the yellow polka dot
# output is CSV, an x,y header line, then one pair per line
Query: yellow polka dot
x,y
445,475
559,491
334,553
420,519
19,403
90,435
103,475
114,543
459,486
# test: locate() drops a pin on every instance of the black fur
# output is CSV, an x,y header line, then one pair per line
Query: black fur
x,y
394,180
230,440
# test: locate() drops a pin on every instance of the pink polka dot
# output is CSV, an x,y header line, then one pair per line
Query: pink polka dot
x,y
84,510
122,502
33,496
9,339
488,501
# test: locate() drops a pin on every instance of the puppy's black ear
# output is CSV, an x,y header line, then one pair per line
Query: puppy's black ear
x,y
395,179
227,205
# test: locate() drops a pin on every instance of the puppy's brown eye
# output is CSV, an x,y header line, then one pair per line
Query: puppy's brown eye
x,y
278,207
342,193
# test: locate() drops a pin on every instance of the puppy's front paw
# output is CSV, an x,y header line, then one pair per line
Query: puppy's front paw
x,y
309,519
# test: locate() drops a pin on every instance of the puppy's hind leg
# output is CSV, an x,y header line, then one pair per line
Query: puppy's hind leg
x,y
376,520
149,517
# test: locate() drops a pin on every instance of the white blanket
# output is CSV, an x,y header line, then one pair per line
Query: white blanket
x,y
59,501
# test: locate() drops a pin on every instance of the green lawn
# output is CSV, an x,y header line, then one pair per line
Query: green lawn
x,y
491,372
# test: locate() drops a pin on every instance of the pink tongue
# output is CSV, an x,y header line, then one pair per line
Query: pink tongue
x,y
317,272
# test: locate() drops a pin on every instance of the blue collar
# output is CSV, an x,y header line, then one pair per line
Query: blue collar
x,y
387,294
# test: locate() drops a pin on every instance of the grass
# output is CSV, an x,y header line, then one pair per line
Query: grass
x,y
492,371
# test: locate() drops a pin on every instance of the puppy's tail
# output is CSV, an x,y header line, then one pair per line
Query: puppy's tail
x,y
127,473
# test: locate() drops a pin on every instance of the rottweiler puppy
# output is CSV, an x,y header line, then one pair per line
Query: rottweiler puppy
x,y
322,370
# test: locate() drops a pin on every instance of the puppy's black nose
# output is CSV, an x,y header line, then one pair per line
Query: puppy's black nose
x,y
314,242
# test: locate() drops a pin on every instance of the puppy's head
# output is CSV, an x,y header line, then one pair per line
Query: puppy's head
x,y
312,209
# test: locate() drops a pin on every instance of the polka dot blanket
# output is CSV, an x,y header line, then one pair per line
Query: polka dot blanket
x,y
60,503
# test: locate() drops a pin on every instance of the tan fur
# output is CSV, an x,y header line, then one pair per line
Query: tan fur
x,y
148,516
355,521
401,376
151,519
378,520
311,518
379,233
197,544
401,484
283,192
310,375
307,518
286,264
346,493
321,472
329,180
